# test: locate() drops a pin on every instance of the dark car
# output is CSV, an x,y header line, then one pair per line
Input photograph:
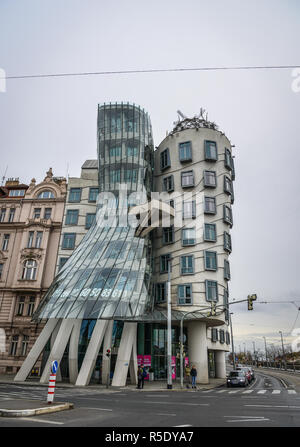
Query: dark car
x,y
237,378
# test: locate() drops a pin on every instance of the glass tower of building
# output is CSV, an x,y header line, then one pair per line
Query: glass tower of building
x,y
109,274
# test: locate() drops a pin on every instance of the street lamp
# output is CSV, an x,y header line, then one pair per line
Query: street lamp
x,y
169,333
266,350
283,353
232,345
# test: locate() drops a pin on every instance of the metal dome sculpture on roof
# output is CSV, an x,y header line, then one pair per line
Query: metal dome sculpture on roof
x,y
197,122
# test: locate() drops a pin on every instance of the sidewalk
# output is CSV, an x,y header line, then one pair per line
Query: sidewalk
x,y
26,407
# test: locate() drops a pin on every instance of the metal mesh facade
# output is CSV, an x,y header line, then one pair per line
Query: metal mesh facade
x,y
109,274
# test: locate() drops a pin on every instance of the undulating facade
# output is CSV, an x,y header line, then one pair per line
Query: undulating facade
x,y
171,205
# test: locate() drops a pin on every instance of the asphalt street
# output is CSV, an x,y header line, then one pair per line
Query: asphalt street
x,y
267,402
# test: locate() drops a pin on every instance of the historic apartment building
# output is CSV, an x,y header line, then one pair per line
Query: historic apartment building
x,y
80,210
30,226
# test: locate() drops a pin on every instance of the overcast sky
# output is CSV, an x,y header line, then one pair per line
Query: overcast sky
x,y
52,122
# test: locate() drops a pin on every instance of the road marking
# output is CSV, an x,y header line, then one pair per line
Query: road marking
x,y
172,403
41,420
222,391
187,425
276,391
101,409
248,392
249,420
261,391
233,392
161,395
165,414
292,392
272,406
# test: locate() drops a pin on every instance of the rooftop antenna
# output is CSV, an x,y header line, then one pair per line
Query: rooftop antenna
x,y
4,176
181,114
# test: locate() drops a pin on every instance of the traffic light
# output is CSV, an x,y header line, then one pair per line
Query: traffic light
x,y
251,298
108,352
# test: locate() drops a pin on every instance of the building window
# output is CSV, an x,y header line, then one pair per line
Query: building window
x,y
214,334
163,263
24,345
21,304
227,160
5,242
38,239
184,294
1,271
227,338
222,336
62,262
30,239
210,232
115,176
75,195
227,241
72,217
29,269
211,290
68,241
187,265
226,269
161,292
187,179
210,179
130,175
185,151
115,151
210,260
168,183
14,345
165,159
232,169
227,185
132,151
31,304
89,219
225,303
37,213
210,206
227,214
16,193
211,153
11,215
46,195
188,236
47,213
168,235
189,210
93,194
2,214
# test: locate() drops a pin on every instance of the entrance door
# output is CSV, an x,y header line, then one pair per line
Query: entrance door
x,y
211,364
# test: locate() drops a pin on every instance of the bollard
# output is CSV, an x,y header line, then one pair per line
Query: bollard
x,y
51,388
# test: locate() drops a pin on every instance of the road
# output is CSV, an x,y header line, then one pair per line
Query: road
x,y
267,402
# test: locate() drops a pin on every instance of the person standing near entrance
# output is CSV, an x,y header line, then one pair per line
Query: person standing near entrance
x,y
193,376
140,376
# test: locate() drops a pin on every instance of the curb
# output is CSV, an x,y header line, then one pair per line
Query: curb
x,y
36,411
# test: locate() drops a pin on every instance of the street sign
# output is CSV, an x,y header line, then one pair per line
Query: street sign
x,y
54,366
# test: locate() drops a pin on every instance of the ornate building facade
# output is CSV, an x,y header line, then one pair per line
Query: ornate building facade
x,y
30,226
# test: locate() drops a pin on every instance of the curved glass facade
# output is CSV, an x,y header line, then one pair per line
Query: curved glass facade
x,y
109,274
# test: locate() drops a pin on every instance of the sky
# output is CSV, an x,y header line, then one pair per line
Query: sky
x,y
51,122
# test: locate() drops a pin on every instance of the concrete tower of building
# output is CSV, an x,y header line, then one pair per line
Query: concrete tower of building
x,y
194,167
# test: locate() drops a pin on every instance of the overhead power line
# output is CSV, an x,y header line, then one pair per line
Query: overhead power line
x,y
152,70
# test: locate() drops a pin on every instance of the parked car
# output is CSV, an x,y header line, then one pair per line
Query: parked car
x,y
237,378
247,371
